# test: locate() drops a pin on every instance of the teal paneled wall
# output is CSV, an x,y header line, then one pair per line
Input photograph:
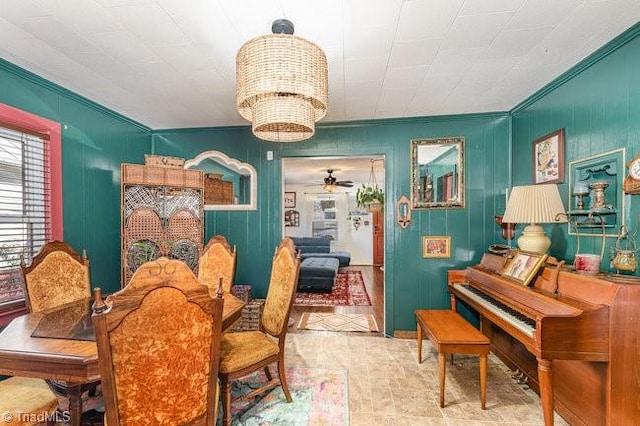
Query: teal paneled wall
x,y
598,105
411,281
599,108
94,143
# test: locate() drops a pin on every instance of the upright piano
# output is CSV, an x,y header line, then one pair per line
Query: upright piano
x,y
576,338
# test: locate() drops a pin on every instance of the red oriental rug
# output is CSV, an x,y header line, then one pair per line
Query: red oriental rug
x,y
349,290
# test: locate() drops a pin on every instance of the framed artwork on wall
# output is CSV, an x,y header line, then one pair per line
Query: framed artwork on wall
x,y
548,158
289,200
523,266
436,246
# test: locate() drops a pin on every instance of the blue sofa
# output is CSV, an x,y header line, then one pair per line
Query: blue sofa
x,y
320,247
319,266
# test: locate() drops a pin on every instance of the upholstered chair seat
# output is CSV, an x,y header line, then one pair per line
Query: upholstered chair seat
x,y
241,350
26,401
245,352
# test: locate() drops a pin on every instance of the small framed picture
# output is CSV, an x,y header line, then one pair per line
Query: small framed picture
x,y
289,200
522,267
548,158
436,246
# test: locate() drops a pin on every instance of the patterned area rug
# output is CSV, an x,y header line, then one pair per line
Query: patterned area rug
x,y
337,322
349,290
319,398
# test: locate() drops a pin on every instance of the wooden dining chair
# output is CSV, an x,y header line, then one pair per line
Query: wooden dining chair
x,y
246,352
25,401
218,261
56,275
159,348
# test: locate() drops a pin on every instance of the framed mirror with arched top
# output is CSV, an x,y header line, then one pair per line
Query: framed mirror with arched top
x,y
229,184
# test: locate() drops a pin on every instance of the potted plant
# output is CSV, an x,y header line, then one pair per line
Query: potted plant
x,y
370,197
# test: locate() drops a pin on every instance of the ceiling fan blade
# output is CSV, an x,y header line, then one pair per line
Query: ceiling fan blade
x,y
345,183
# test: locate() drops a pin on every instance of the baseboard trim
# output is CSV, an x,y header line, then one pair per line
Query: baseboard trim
x,y
401,334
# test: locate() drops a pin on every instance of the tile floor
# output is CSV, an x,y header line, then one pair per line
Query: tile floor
x,y
387,386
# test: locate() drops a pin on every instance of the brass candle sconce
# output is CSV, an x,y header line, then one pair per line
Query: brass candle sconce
x,y
403,211
508,229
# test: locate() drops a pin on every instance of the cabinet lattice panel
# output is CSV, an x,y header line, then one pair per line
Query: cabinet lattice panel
x,y
161,215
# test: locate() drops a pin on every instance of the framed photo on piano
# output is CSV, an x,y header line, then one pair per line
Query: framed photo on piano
x,y
522,267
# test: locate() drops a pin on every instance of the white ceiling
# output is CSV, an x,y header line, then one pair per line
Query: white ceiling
x,y
171,63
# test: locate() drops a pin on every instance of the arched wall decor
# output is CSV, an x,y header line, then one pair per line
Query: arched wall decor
x,y
243,169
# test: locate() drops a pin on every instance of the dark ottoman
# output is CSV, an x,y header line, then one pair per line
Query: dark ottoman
x,y
318,274
344,257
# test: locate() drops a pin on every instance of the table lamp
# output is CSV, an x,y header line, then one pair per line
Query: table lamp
x,y
534,204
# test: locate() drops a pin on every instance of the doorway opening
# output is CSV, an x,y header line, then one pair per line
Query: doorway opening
x,y
320,201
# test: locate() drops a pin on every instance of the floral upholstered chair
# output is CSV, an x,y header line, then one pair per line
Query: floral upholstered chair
x,y
57,275
245,352
159,348
218,261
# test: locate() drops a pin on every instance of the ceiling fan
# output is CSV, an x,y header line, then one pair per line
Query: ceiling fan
x,y
331,183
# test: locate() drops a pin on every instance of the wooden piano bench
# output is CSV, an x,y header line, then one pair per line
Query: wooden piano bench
x,y
451,334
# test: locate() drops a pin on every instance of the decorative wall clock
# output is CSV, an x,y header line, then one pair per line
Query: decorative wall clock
x,y
632,181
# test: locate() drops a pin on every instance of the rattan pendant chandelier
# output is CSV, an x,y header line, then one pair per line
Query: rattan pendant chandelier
x,y
281,84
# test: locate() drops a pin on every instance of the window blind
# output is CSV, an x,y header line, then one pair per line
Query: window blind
x,y
25,200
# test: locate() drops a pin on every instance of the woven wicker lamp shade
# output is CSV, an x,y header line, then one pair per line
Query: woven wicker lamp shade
x,y
281,86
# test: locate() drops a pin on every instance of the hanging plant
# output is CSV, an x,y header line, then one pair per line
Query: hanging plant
x,y
370,196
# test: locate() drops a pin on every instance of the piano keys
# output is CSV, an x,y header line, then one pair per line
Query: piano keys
x,y
566,333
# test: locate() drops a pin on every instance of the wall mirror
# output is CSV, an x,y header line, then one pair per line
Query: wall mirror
x,y
437,173
229,184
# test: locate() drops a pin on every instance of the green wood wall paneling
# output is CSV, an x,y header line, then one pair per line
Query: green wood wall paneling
x,y
95,141
594,117
422,283
599,107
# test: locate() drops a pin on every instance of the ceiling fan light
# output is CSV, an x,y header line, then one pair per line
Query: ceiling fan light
x,y
330,188
282,82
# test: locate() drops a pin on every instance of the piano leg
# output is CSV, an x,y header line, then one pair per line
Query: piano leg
x,y
545,377
483,381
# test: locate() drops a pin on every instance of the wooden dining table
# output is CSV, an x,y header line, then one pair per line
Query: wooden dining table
x,y
63,357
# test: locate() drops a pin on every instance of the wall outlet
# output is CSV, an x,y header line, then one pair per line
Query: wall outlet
x,y
270,155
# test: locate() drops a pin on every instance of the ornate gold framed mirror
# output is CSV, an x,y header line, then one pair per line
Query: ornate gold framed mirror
x,y
437,173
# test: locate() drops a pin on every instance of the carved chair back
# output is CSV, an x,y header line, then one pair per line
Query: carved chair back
x,y
159,347
218,261
56,275
282,289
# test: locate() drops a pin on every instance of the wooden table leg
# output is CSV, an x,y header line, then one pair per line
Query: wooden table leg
x,y
419,344
483,381
74,393
442,367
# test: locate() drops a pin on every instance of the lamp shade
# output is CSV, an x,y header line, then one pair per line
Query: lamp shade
x,y
534,204
282,85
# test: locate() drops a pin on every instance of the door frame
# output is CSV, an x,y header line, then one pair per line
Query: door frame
x,y
387,154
